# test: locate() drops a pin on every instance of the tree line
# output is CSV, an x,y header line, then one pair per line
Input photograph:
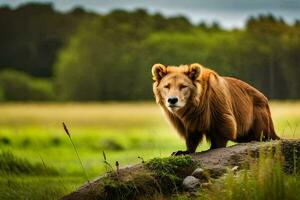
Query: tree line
x,y
109,57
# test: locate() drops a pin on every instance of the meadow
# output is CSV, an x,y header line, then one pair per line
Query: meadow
x,y
36,154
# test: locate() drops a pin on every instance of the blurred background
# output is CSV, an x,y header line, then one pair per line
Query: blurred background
x,y
104,50
88,64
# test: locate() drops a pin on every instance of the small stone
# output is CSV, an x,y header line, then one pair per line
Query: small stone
x,y
216,172
201,174
235,168
198,173
190,182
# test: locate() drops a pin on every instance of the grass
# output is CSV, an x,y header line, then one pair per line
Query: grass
x,y
125,131
265,180
21,179
36,187
12,165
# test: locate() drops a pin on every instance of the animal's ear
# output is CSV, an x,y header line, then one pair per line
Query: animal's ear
x,y
194,71
158,71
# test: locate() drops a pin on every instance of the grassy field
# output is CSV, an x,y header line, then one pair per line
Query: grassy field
x,y
125,131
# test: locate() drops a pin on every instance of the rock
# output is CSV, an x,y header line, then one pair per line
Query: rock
x,y
190,182
216,171
235,168
201,174
198,173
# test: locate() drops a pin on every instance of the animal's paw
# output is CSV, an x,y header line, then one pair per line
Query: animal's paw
x,y
180,153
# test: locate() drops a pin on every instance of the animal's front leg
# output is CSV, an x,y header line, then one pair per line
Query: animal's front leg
x,y
192,141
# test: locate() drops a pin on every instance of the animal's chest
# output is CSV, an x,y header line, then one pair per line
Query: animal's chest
x,y
196,123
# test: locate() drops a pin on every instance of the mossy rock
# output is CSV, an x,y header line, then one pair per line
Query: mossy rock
x,y
171,171
140,185
156,178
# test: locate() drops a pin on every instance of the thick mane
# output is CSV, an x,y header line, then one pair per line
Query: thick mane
x,y
199,104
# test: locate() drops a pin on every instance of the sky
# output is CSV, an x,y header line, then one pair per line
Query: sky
x,y
229,13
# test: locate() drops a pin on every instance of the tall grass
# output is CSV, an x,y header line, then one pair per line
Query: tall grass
x,y
12,165
21,179
265,180
31,188
75,149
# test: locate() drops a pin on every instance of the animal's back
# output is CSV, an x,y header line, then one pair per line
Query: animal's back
x,y
248,105
245,99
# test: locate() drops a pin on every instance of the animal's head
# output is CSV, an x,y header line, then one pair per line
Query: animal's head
x,y
175,86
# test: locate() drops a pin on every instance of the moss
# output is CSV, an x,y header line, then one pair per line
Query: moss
x,y
179,166
114,189
170,171
139,186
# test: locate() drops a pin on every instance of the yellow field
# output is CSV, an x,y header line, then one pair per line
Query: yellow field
x,y
286,116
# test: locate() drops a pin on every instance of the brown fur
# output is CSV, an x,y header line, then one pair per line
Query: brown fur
x,y
221,108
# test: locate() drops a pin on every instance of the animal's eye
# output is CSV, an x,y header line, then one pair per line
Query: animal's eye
x,y
167,86
183,86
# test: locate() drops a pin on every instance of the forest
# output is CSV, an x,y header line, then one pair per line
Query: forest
x,y
48,55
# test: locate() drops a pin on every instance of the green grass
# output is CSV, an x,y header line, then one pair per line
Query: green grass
x,y
12,165
125,131
36,187
265,180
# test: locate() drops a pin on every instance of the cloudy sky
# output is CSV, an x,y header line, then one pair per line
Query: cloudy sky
x,y
229,13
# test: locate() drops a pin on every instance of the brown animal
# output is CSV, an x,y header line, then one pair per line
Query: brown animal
x,y
198,102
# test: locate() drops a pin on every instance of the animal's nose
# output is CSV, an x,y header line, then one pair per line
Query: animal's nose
x,y
172,100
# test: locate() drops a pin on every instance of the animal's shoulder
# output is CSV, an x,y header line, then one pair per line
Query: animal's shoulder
x,y
241,88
